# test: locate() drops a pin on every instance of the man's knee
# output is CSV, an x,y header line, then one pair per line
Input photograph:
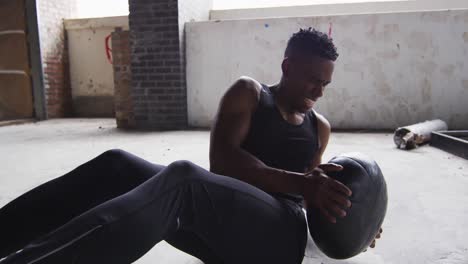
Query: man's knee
x,y
182,167
113,154
183,170
114,160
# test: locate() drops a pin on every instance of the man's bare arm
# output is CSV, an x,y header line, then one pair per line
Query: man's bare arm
x,y
230,129
324,131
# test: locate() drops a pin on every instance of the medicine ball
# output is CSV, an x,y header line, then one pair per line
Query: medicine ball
x,y
353,233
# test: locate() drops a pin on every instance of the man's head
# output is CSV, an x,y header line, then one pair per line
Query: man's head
x,y
307,67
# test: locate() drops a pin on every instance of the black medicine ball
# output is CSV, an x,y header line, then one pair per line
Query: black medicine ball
x,y
352,234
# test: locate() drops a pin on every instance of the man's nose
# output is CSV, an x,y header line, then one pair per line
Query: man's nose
x,y
319,90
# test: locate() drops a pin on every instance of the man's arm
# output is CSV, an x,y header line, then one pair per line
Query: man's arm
x,y
324,131
230,129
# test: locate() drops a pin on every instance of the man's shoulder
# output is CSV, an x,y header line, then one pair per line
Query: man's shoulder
x,y
247,83
322,121
246,89
243,95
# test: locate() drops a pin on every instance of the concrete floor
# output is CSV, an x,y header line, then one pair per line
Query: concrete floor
x,y
428,188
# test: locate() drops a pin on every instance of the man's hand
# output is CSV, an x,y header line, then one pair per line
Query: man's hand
x,y
372,245
326,194
376,237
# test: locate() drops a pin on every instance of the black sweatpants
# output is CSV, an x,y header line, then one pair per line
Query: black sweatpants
x,y
117,206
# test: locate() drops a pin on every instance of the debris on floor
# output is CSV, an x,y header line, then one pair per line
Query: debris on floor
x,y
409,137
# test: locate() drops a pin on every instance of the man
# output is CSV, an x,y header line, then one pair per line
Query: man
x,y
270,136
265,152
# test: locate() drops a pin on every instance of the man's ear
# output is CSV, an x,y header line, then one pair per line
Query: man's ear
x,y
285,66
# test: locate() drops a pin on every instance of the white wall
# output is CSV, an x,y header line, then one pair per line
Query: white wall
x,y
229,4
337,8
394,69
89,66
91,74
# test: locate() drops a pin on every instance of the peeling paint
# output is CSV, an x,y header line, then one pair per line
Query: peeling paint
x,y
461,18
264,43
353,45
433,17
456,117
389,54
465,84
384,88
448,70
348,116
351,67
419,41
435,51
426,89
427,66
390,29
372,22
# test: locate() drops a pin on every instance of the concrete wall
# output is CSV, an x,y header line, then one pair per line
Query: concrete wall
x,y
190,11
91,74
369,7
394,69
54,54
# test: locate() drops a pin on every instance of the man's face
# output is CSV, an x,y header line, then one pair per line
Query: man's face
x,y
306,79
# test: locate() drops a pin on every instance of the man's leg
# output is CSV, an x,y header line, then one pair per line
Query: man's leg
x,y
190,243
52,204
237,221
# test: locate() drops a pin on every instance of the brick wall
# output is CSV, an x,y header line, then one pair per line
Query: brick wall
x,y
158,62
122,78
54,54
157,88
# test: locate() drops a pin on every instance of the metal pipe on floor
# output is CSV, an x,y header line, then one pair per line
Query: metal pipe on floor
x,y
409,137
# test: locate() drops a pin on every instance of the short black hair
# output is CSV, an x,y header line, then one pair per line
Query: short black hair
x,y
313,42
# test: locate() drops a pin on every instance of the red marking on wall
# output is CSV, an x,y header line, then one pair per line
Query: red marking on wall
x,y
108,49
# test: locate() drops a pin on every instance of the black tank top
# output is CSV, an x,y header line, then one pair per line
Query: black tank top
x,y
278,143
